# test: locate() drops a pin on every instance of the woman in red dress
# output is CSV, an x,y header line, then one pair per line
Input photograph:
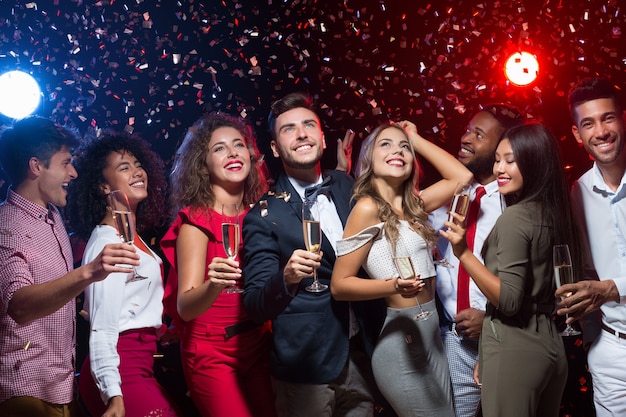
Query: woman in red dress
x,y
225,356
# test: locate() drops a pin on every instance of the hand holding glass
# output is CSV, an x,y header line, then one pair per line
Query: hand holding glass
x,y
312,238
124,223
563,274
230,237
404,265
460,205
460,202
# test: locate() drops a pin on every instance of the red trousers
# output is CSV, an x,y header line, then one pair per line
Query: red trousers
x,y
142,394
228,378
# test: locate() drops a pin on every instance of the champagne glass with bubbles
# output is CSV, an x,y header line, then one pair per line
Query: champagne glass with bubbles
x,y
460,201
124,223
460,205
312,238
404,265
230,237
564,274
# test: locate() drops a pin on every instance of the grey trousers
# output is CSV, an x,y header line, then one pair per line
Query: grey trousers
x,y
410,366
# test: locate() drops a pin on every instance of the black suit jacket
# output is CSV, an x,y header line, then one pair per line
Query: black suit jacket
x,y
310,329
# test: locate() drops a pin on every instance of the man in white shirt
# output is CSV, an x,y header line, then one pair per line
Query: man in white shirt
x,y
600,208
461,322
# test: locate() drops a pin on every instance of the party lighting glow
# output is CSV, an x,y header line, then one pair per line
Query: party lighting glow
x,y
521,68
19,94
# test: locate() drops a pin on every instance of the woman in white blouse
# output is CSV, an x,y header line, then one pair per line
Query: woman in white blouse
x,y
125,314
390,216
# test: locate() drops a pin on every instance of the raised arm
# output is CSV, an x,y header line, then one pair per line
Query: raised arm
x,y
451,170
344,152
39,300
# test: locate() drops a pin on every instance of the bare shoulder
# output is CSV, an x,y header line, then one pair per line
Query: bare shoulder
x,y
363,215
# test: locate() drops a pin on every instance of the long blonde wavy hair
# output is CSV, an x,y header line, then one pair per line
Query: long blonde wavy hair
x,y
412,204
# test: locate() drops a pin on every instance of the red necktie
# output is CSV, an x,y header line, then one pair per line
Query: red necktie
x,y
462,298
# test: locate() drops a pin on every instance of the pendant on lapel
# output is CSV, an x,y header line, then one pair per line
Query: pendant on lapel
x,y
284,195
263,207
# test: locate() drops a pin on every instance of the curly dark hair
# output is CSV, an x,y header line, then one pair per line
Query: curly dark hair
x,y
507,116
189,180
87,202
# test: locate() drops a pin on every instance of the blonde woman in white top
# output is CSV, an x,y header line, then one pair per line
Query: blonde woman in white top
x,y
390,216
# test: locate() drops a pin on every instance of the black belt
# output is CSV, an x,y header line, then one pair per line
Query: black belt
x,y
238,328
451,326
613,332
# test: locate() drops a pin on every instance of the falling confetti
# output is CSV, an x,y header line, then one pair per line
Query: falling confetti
x,y
153,68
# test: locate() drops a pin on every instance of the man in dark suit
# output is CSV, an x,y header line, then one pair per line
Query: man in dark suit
x,y
318,363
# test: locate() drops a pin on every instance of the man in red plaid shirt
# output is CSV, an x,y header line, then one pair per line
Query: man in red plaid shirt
x,y
37,281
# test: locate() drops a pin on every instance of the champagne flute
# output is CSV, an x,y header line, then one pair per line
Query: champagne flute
x,y
124,223
460,205
563,274
404,265
312,238
460,202
230,237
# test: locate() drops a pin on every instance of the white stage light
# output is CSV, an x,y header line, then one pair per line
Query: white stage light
x,y
19,94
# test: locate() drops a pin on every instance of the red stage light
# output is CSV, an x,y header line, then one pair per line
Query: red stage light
x,y
521,68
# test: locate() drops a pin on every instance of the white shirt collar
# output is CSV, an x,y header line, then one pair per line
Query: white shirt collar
x,y
300,186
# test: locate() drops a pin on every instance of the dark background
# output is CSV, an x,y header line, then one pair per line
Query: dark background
x,y
153,67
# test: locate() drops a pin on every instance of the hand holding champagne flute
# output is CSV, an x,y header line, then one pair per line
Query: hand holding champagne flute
x,y
564,274
124,223
404,265
460,201
230,237
312,238
460,205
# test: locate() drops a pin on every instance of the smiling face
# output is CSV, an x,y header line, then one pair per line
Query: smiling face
x,y
299,140
599,127
124,172
392,155
52,181
228,158
510,181
478,145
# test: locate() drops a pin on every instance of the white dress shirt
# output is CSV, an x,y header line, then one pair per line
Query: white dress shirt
x,y
115,306
602,214
491,207
329,221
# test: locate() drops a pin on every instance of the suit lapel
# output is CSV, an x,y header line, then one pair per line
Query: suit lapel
x,y
295,203
341,199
